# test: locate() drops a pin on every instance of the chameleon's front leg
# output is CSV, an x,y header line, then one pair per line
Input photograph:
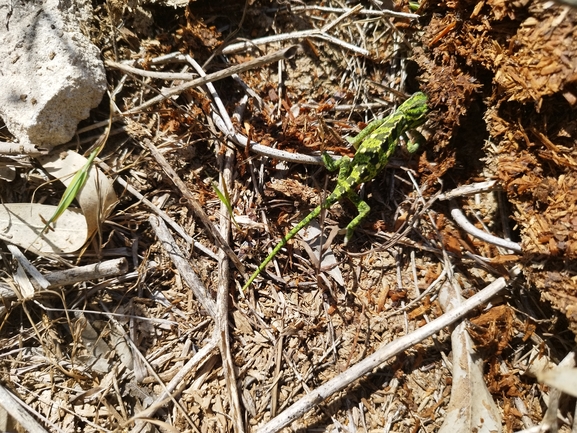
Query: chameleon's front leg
x,y
344,188
362,207
342,164
357,140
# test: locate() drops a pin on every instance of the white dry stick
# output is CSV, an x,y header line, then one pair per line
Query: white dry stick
x,y
215,97
382,354
225,125
339,19
259,149
107,269
182,265
224,271
285,53
17,410
169,76
370,12
175,56
8,148
313,33
222,304
464,223
471,189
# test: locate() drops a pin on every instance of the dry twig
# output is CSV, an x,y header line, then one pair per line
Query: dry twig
x,y
188,275
285,53
381,355
196,208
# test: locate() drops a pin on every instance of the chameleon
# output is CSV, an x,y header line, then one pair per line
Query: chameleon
x,y
374,146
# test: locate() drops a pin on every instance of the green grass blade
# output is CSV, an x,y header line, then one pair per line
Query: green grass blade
x,y
72,189
226,200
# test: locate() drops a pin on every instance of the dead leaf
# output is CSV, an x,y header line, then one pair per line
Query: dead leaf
x,y
21,223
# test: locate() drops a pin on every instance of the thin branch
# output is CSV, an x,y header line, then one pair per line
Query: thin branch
x,y
464,223
269,152
470,189
303,34
285,53
295,36
107,269
9,148
222,297
370,12
182,265
195,206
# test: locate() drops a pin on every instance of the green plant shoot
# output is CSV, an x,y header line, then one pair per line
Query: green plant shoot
x,y
225,198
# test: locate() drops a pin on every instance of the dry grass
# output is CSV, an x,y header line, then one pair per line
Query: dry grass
x,y
360,339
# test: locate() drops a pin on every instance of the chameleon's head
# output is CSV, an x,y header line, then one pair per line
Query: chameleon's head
x,y
415,108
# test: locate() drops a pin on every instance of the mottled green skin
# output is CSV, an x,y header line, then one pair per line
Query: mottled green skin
x,y
375,144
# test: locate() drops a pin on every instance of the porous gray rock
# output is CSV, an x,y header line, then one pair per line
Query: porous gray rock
x,y
51,75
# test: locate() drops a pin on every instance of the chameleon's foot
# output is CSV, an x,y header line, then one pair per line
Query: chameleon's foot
x,y
342,164
412,141
347,236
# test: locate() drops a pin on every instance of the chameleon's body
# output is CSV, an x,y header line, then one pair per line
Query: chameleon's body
x,y
375,144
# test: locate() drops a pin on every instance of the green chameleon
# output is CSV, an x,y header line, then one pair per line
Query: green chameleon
x,y
375,144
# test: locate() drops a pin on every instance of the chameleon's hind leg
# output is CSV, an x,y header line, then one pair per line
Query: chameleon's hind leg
x,y
363,208
412,140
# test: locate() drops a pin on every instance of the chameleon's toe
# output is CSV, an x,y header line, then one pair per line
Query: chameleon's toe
x,y
348,236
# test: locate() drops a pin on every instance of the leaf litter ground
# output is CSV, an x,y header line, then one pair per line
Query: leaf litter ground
x,y
100,355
